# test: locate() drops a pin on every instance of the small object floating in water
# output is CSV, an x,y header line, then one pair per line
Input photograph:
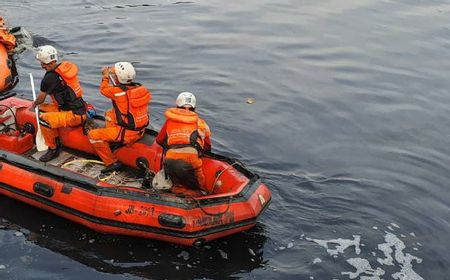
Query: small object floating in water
x,y
250,100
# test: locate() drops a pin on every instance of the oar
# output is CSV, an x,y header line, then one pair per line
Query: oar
x,y
40,142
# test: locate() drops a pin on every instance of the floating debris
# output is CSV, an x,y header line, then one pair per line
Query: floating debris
x,y
290,245
251,252
223,254
91,241
18,233
250,100
2,266
317,260
184,255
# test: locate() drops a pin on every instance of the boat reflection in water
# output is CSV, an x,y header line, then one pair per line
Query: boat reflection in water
x,y
113,254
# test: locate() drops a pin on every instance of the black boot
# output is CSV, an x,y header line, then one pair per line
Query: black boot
x,y
112,167
50,154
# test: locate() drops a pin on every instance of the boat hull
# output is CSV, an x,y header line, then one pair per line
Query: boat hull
x,y
235,205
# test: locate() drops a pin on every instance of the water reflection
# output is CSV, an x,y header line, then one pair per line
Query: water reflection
x,y
140,257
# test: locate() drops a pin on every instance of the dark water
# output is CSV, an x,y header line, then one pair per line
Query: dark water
x,y
350,129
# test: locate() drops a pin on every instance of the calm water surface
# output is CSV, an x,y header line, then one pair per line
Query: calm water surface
x,y
350,129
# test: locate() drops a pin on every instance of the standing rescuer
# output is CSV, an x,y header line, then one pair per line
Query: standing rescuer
x,y
127,120
185,137
68,107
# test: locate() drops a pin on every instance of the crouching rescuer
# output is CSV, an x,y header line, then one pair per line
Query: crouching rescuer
x,y
68,108
185,137
126,121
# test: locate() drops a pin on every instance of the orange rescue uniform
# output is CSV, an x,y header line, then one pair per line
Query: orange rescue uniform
x,y
185,136
125,122
68,107
7,67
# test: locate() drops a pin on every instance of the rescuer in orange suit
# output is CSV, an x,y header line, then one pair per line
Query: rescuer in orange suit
x,y
185,137
68,107
127,120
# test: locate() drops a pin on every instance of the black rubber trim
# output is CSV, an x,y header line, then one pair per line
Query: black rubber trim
x,y
43,189
156,230
66,188
7,95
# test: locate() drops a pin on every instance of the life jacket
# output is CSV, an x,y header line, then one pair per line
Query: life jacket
x,y
6,38
182,129
72,98
131,107
68,71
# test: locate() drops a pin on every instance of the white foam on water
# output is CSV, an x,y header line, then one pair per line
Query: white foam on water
x,y
363,266
392,249
404,260
390,228
375,228
342,244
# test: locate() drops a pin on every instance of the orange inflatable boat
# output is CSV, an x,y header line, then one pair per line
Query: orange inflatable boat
x,y
70,186
7,44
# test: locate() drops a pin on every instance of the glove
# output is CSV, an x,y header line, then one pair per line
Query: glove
x,y
90,111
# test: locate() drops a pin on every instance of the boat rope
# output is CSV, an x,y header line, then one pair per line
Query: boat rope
x,y
220,174
214,188
103,179
120,179
208,213
7,128
82,161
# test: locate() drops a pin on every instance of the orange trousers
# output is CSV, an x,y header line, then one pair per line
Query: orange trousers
x,y
52,118
190,157
101,137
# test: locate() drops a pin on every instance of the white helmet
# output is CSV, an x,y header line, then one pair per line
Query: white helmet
x,y
125,72
47,54
186,98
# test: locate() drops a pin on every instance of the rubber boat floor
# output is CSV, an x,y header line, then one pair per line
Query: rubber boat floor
x,y
91,167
